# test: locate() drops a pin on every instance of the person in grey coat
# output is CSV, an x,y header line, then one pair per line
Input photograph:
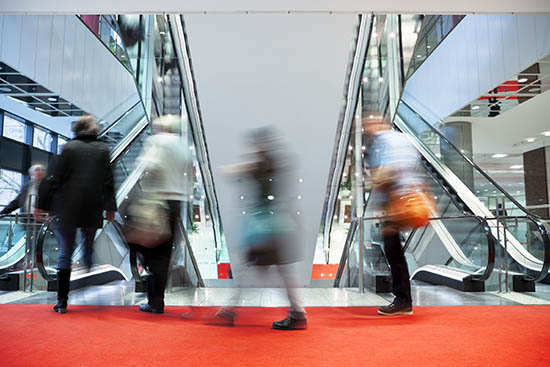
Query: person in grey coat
x,y
82,189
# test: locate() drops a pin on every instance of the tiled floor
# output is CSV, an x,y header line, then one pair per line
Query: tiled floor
x,y
123,293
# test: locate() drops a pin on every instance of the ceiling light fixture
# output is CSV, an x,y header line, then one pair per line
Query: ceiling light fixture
x,y
428,46
5,89
516,166
475,108
52,99
419,56
499,155
530,140
380,80
522,80
546,133
365,79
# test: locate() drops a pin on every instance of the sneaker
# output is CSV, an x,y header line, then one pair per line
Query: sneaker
x,y
396,309
290,324
224,317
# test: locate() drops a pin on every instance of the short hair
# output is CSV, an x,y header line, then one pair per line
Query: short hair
x,y
35,167
168,124
85,126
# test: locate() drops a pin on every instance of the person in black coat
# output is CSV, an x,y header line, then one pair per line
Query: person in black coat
x,y
25,200
82,188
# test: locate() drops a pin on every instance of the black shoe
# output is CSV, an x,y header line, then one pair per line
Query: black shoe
x,y
290,324
396,309
147,308
61,306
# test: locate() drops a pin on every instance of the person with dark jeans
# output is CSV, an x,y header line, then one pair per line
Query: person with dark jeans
x,y
82,189
401,285
157,261
169,178
392,160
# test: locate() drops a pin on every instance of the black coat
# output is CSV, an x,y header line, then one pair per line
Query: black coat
x,y
82,184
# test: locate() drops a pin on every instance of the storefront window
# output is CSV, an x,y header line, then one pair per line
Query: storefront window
x,y
42,139
13,129
10,185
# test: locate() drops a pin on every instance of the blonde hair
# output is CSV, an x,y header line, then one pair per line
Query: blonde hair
x,y
85,126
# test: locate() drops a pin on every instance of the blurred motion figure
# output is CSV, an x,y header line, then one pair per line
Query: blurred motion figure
x,y
392,160
82,188
27,198
269,228
166,161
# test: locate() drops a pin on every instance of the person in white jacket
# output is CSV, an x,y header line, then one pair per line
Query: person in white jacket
x,y
168,167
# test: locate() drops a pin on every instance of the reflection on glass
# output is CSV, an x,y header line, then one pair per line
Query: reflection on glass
x,y
14,129
10,185
42,139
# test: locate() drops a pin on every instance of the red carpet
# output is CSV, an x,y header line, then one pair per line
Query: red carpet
x,y
32,335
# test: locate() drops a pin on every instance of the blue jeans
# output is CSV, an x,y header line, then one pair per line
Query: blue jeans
x,y
67,238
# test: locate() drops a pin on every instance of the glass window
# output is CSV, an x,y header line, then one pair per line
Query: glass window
x,y
42,139
14,129
60,142
10,185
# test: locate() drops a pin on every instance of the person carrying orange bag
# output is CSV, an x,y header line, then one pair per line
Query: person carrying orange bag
x,y
401,195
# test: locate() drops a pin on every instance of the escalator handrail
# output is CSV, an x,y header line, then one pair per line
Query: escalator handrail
x,y
44,230
110,126
52,222
491,246
200,281
345,252
531,216
471,163
118,151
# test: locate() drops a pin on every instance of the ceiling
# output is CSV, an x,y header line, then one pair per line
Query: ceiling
x,y
280,6
24,90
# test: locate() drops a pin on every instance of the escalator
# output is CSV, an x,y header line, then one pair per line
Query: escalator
x,y
125,137
463,241
523,243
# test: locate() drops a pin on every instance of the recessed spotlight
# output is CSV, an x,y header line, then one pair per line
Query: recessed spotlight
x,y
52,99
428,46
365,79
475,108
499,155
516,166
522,80
546,133
530,140
419,56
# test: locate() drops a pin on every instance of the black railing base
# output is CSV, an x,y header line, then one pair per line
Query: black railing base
x,y
9,282
522,284
378,282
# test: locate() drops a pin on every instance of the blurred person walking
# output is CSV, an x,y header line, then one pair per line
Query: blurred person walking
x,y
392,159
166,162
28,196
269,228
82,188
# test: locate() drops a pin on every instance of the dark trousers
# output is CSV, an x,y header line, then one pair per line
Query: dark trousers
x,y
157,261
67,239
401,285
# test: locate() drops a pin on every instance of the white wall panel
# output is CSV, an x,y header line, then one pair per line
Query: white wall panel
x,y
501,45
11,40
1,31
69,50
527,40
250,73
28,45
510,42
79,60
542,27
62,54
56,53
43,49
